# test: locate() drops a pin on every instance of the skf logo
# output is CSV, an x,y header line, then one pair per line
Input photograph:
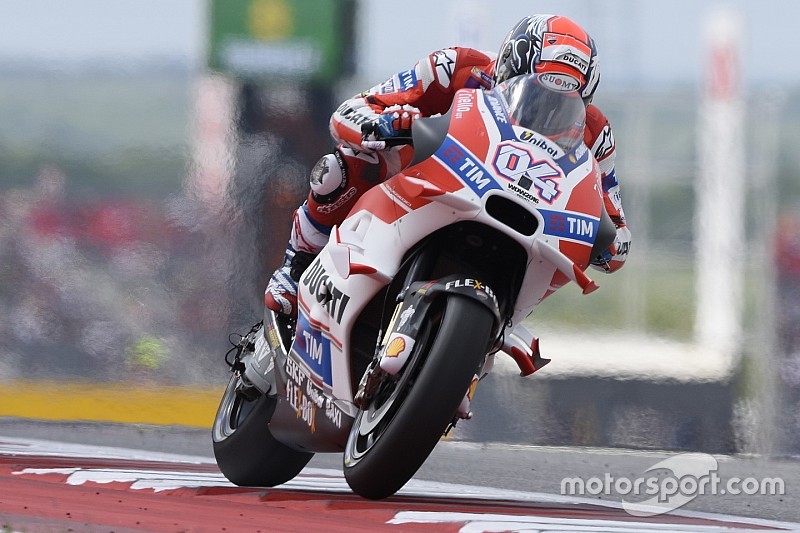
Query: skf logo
x,y
517,164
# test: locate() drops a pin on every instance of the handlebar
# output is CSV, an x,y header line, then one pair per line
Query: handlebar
x,y
387,143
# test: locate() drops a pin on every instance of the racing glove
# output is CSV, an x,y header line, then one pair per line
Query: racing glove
x,y
613,257
393,122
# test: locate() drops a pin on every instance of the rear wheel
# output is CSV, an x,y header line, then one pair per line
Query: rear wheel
x,y
246,452
392,438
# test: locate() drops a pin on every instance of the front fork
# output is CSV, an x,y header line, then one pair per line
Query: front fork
x,y
408,318
392,356
414,301
421,266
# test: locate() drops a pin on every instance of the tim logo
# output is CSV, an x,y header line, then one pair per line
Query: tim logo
x,y
517,164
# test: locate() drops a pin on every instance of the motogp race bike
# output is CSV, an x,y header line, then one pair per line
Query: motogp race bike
x,y
430,276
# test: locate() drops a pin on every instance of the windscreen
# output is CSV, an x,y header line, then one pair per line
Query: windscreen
x,y
556,113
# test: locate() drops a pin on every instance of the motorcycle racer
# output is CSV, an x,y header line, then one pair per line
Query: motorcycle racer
x,y
554,47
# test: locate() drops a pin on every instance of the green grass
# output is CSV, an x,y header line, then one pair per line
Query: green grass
x,y
656,299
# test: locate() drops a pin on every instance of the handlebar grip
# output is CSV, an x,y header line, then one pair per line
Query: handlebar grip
x,y
374,145
387,143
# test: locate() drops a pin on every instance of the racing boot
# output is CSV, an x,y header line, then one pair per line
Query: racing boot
x,y
305,242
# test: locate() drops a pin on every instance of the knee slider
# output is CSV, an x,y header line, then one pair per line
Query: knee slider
x,y
328,178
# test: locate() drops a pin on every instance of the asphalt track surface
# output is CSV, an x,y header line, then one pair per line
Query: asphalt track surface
x,y
462,487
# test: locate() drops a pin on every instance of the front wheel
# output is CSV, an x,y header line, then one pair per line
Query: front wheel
x,y
246,452
391,439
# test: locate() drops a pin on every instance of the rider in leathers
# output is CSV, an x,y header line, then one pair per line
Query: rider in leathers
x,y
553,46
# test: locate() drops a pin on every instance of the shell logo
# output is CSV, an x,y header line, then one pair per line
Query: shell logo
x,y
395,347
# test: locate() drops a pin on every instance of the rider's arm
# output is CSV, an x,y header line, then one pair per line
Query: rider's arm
x,y
600,140
428,87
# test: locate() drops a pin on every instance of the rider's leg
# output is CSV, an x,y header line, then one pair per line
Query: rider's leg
x,y
305,242
337,181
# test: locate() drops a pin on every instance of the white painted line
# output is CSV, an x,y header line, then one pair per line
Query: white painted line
x,y
329,480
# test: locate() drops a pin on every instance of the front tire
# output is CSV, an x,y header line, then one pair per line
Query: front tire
x,y
393,437
246,452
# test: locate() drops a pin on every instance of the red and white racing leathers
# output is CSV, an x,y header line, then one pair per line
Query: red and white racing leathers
x,y
338,180
429,87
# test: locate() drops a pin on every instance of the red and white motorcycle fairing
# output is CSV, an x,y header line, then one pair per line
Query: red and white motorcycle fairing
x,y
487,170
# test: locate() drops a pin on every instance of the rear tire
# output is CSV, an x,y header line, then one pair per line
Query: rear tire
x,y
246,452
394,436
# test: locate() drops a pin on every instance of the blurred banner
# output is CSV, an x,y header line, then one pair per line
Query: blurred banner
x,y
278,39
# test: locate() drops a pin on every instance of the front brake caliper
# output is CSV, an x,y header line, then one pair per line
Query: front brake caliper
x,y
368,386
